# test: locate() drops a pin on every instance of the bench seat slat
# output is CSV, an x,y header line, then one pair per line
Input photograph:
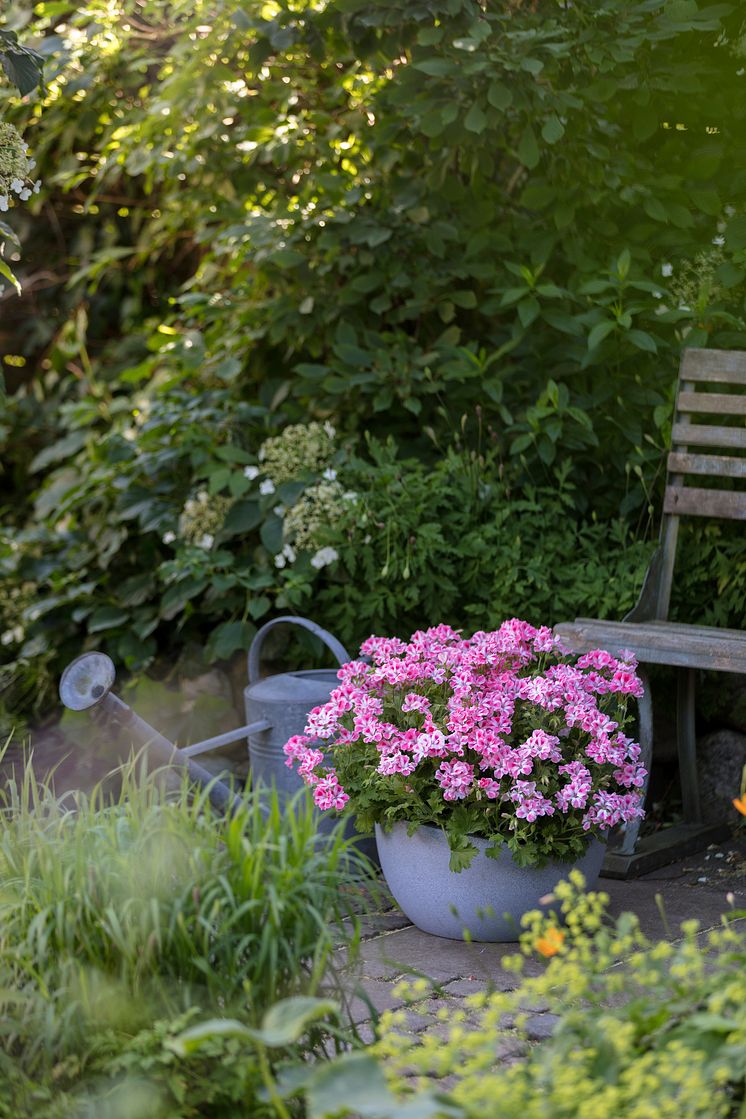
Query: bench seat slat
x,y
659,643
708,435
696,502
726,403
713,466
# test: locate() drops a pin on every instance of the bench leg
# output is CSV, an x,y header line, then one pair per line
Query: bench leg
x,y
687,745
645,738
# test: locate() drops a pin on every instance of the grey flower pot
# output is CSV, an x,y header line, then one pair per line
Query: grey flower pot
x,y
488,898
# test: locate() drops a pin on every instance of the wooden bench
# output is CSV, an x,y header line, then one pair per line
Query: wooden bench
x,y
702,481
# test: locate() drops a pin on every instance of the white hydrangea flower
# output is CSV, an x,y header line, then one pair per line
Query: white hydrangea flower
x,y
12,636
251,472
289,553
169,537
666,269
323,557
267,487
205,541
14,167
299,450
279,510
330,474
280,560
718,240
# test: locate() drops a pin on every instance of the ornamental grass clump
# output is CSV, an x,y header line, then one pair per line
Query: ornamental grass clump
x,y
503,735
125,922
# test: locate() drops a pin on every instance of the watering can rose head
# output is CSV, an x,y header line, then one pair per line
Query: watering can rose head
x,y
503,735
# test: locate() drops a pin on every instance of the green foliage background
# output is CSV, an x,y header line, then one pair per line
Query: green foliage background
x,y
437,223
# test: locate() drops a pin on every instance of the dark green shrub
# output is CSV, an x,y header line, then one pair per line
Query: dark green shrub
x,y
380,216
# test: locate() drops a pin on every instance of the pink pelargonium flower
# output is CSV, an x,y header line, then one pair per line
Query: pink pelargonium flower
x,y
542,745
625,681
455,779
328,793
413,701
489,787
322,721
504,710
396,762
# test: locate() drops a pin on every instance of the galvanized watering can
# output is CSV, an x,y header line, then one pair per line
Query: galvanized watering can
x,y
276,708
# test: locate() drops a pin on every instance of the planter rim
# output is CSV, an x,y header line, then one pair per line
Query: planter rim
x,y
480,840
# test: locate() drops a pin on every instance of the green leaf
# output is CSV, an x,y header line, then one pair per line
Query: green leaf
x,y
177,596
193,1039
528,149
499,96
553,129
243,516
106,617
528,310
735,234
22,65
9,275
465,299
287,1021
600,331
62,449
271,534
707,200
538,195
729,275
354,1083
475,120
228,639
434,67
642,340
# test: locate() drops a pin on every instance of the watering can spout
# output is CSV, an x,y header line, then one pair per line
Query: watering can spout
x,y
86,685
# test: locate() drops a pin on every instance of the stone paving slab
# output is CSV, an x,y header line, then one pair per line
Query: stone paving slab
x,y
393,948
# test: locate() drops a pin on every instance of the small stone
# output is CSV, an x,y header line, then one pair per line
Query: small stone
x,y
701,879
541,1026
508,1048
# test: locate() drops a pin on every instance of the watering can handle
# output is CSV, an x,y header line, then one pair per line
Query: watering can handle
x,y
331,642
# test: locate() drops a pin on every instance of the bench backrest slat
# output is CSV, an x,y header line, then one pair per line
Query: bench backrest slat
x,y
712,385
713,466
726,403
707,435
725,366
694,502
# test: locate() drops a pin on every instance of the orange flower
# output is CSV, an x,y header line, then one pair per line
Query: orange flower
x,y
740,804
551,942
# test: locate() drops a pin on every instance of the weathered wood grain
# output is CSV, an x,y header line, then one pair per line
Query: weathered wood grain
x,y
724,403
726,366
693,501
713,466
708,435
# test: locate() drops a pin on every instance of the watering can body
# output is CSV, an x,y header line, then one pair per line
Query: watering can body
x,y
280,705
284,702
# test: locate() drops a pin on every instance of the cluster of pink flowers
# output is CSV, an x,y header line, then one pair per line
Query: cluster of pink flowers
x,y
506,718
